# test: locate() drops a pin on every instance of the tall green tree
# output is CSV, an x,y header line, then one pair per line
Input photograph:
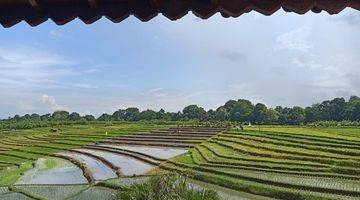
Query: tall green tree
x,y
132,114
60,115
221,114
353,109
89,118
337,109
105,117
260,114
194,112
74,116
148,115
119,115
296,116
240,110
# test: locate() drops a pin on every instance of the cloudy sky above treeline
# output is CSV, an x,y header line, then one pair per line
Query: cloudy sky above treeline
x,y
285,59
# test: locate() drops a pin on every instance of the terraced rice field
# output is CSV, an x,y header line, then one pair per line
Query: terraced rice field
x,y
88,159
271,163
20,149
98,156
282,165
133,154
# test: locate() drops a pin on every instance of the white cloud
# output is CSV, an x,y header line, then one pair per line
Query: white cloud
x,y
24,57
232,55
91,71
26,106
56,33
155,90
51,103
353,19
84,85
296,39
305,62
29,67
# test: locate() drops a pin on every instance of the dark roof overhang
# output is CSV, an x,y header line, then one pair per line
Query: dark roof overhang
x,y
35,12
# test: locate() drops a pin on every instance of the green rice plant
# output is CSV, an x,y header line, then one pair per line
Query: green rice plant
x,y
199,160
26,193
261,139
294,140
20,154
311,136
55,192
12,159
222,152
73,141
211,158
254,187
283,149
95,193
253,151
36,151
353,132
10,175
312,181
165,187
282,180
4,190
14,196
262,152
118,183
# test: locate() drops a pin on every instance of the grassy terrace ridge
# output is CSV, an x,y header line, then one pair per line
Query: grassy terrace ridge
x,y
200,160
312,133
298,141
282,148
211,158
271,162
228,153
254,151
339,149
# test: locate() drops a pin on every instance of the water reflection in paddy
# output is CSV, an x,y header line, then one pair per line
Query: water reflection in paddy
x,y
128,166
99,170
158,152
59,171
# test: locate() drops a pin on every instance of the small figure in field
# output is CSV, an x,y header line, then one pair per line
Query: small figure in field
x,y
54,130
240,127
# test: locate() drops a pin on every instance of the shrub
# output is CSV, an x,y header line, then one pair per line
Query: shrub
x,y
166,187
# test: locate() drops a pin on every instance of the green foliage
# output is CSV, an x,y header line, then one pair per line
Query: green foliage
x,y
165,187
336,112
9,176
194,112
335,123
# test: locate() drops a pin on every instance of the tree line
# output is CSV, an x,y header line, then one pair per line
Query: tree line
x,y
239,111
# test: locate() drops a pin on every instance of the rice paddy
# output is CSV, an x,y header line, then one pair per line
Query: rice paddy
x,y
87,162
278,162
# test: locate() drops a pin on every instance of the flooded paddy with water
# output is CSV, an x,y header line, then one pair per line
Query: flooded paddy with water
x,y
99,170
51,170
128,166
158,152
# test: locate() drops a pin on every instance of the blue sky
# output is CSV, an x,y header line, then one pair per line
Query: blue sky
x,y
285,59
